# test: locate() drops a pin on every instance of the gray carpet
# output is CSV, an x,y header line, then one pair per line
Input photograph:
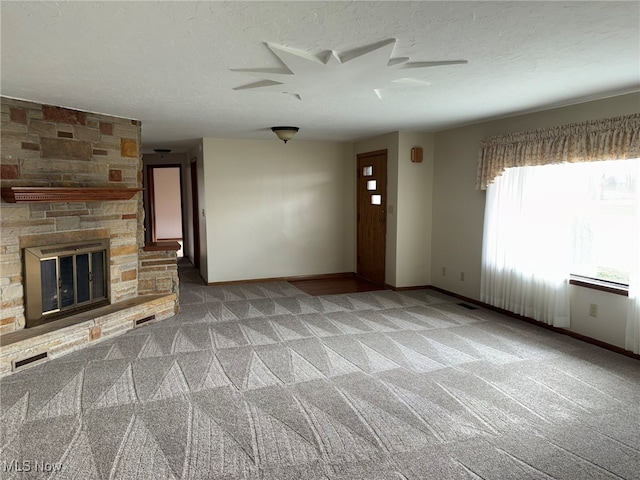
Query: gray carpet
x,y
262,381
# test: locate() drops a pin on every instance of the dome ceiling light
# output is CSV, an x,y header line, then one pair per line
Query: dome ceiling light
x,y
285,133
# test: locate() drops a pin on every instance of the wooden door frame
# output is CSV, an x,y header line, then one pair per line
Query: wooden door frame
x,y
360,156
151,196
195,211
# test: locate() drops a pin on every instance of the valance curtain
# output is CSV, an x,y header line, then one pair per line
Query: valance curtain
x,y
615,138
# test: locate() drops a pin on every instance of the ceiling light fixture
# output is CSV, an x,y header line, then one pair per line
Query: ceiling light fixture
x,y
285,133
162,151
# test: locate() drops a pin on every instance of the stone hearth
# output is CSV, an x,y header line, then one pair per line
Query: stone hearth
x,y
82,155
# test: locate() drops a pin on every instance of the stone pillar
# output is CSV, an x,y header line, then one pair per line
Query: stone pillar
x,y
158,269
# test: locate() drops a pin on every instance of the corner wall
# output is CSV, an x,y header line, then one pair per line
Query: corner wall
x,y
414,212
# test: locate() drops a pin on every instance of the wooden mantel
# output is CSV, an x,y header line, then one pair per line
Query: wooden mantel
x,y
66,194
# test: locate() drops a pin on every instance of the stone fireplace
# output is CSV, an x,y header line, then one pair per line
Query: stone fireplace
x,y
74,268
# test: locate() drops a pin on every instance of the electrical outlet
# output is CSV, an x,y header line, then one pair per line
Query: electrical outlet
x,y
593,310
462,276
444,271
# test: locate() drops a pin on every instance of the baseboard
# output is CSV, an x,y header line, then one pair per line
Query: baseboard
x,y
563,331
321,276
403,289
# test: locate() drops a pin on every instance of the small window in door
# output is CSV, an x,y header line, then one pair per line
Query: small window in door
x,y
371,185
376,199
367,171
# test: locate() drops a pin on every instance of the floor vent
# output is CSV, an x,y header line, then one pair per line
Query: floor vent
x,y
27,361
144,320
467,306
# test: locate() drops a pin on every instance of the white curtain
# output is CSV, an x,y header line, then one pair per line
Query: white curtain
x,y
632,338
528,240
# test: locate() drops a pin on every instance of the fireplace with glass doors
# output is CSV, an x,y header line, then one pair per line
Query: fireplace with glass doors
x,y
62,280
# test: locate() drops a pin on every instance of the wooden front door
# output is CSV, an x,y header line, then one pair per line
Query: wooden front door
x,y
372,216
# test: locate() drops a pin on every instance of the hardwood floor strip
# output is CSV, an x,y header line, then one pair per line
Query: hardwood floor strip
x,y
335,286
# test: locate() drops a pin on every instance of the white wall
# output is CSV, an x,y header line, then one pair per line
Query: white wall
x,y
458,210
414,211
276,210
610,324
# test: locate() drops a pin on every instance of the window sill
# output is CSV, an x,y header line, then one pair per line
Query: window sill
x,y
603,286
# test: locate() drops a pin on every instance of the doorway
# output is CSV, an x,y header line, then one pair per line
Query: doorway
x,y
195,212
165,204
372,216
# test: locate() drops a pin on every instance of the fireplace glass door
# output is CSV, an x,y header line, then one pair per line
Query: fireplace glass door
x,y
72,280
65,278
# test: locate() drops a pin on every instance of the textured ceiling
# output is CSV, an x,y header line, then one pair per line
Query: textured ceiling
x,y
178,66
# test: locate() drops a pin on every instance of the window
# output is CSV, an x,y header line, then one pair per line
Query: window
x,y
576,219
605,218
546,221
